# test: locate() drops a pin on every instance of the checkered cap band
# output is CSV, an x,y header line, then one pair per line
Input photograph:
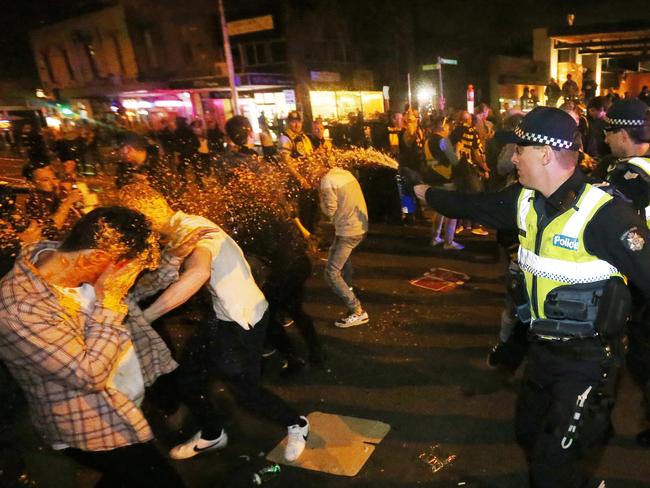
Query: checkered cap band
x,y
542,139
624,122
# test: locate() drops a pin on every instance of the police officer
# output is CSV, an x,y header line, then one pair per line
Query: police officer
x,y
294,144
627,131
576,243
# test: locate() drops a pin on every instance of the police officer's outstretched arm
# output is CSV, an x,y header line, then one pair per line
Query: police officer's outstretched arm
x,y
618,235
496,210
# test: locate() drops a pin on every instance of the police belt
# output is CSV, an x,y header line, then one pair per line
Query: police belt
x,y
590,349
562,330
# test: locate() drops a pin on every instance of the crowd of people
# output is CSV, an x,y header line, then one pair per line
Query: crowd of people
x,y
200,223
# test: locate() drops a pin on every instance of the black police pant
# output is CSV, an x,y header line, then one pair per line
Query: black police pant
x,y
555,378
226,351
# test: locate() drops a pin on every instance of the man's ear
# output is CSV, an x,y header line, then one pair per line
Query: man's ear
x,y
547,155
626,136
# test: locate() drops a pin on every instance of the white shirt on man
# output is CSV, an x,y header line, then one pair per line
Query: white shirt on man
x,y
235,295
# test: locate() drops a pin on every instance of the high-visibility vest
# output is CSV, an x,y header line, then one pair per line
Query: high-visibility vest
x,y
644,165
437,163
556,256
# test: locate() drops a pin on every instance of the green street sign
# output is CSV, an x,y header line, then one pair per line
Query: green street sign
x,y
448,61
430,67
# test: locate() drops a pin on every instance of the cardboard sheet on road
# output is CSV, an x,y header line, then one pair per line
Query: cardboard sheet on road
x,y
336,445
440,279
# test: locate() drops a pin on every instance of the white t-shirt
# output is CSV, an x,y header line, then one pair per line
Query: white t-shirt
x,y
235,295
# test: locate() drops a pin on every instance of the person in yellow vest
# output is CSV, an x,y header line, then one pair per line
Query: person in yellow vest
x,y
293,145
441,159
577,245
627,131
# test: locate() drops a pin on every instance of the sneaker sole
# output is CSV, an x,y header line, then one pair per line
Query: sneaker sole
x,y
347,326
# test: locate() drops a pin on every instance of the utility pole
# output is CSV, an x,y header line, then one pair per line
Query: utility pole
x,y
441,96
408,87
234,99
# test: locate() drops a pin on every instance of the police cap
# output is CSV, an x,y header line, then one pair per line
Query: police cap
x,y
546,126
627,113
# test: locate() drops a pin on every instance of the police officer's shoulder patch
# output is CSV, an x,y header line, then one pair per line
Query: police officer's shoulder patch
x,y
633,240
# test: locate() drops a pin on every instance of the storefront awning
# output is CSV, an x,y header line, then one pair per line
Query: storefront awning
x,y
620,40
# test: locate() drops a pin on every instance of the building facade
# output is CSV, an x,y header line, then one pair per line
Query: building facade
x,y
154,60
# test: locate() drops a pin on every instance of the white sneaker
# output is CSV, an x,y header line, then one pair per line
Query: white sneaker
x,y
436,241
196,445
352,320
296,440
453,246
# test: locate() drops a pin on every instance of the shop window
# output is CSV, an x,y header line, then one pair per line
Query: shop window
x,y
68,65
260,50
48,66
565,56
150,46
323,104
115,42
372,103
316,51
189,36
89,49
236,52
278,52
251,57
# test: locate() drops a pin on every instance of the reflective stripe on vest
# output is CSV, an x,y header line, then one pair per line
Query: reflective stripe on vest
x,y
525,201
565,271
641,163
433,163
562,258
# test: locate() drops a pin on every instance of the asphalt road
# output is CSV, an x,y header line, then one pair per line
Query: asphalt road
x,y
419,365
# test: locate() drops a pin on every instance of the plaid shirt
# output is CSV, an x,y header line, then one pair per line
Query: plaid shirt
x,y
154,355
63,363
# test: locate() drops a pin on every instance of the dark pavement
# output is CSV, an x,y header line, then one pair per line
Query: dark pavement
x,y
419,365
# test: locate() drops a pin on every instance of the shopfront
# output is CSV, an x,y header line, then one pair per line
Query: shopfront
x,y
607,53
338,104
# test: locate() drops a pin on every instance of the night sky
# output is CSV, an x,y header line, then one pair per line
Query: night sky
x,y
503,26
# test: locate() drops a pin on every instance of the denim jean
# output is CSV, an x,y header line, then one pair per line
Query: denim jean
x,y
338,271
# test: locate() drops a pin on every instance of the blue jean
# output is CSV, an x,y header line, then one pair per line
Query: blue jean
x,y
338,271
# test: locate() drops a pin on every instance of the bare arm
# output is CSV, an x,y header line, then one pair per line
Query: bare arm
x,y
197,272
61,215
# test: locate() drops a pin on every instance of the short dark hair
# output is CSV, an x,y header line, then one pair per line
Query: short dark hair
x,y
438,122
639,135
29,168
91,232
598,103
237,128
133,140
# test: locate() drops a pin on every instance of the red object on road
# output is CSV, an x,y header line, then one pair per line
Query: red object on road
x,y
440,279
